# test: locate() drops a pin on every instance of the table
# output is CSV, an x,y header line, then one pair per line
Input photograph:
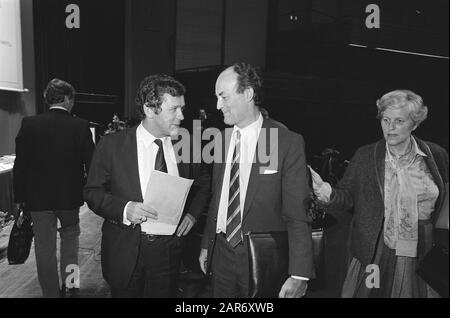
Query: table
x,y
6,184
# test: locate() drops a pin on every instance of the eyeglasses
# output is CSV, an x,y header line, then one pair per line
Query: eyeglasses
x,y
398,122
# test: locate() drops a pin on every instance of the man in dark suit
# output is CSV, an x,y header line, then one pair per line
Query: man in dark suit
x,y
251,196
53,153
137,259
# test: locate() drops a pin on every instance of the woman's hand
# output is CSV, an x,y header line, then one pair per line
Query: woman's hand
x,y
321,188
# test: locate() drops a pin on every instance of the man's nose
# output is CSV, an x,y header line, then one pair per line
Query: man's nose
x,y
219,104
180,114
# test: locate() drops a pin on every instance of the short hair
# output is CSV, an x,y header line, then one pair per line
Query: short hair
x,y
151,90
399,98
249,76
57,90
264,112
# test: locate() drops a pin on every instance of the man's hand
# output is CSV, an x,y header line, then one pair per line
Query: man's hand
x,y
186,225
293,288
203,259
138,212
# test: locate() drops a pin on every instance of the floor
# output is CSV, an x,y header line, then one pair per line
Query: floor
x,y
20,281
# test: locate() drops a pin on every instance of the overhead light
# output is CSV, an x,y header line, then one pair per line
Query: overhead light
x,y
403,52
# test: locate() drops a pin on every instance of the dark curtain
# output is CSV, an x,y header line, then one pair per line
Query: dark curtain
x,y
91,58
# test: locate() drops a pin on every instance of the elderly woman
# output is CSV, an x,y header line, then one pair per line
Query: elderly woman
x,y
396,188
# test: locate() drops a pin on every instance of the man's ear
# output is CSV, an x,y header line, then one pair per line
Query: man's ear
x,y
249,93
68,103
149,111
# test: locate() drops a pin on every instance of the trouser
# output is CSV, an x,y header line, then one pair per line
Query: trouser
x,y
157,268
44,229
230,272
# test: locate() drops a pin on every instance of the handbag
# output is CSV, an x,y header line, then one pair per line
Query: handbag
x,y
20,239
433,268
269,261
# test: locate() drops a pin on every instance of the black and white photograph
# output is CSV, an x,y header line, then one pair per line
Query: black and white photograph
x,y
224,153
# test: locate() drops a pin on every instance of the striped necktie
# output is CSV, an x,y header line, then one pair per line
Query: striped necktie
x,y
234,230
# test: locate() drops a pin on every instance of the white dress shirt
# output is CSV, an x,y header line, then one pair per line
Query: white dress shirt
x,y
147,150
249,139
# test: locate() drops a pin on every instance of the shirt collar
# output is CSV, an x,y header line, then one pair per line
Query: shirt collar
x,y
416,149
58,107
144,136
252,129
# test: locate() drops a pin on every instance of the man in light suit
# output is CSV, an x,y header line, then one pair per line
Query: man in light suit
x,y
137,260
251,196
53,153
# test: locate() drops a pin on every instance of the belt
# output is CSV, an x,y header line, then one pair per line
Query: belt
x,y
152,237
119,224
224,236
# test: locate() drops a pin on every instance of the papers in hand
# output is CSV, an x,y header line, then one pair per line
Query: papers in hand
x,y
167,194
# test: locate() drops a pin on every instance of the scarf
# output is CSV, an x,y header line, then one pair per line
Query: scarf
x,y
401,227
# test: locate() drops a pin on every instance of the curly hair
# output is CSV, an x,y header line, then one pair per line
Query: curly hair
x,y
418,111
57,90
249,76
152,89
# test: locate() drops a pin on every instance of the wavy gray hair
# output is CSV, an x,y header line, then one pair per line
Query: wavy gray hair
x,y
399,98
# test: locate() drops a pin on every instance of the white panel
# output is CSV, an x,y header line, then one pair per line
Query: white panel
x,y
11,76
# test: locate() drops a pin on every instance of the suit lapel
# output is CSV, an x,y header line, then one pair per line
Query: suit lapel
x,y
130,156
263,146
183,166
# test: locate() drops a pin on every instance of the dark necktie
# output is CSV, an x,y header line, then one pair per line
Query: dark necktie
x,y
160,162
234,230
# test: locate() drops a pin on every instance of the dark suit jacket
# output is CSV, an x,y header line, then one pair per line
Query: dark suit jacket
x,y
53,153
362,189
273,202
113,181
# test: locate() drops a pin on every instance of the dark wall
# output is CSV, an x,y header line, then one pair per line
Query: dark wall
x,y
91,58
325,88
150,44
334,103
